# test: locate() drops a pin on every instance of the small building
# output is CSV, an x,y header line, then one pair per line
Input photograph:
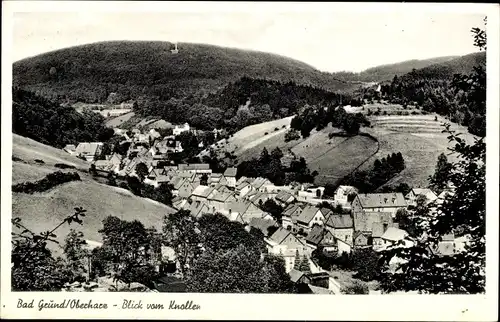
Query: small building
x,y
243,188
178,129
284,243
220,201
342,195
70,148
290,215
202,193
216,178
259,183
230,175
284,198
195,168
379,202
262,224
341,226
197,208
321,237
394,237
309,217
89,151
411,197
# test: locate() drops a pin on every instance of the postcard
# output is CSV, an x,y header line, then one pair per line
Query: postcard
x,y
220,160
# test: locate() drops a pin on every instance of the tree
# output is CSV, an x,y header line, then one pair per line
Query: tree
x,y
356,287
440,179
76,254
141,169
180,232
33,267
304,265
238,270
204,179
462,213
127,248
273,208
366,264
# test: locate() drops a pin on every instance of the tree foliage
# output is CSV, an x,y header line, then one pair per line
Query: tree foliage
x,y
461,213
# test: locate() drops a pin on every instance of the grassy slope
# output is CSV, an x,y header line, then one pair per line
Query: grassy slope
x,y
332,158
117,121
420,145
42,211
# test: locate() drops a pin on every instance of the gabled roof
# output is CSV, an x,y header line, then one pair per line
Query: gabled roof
x,y
239,206
88,148
104,165
202,191
243,179
259,182
357,234
280,235
221,196
340,221
345,190
394,234
376,200
194,166
292,211
262,224
316,235
295,275
307,214
197,208
230,172
428,193
284,196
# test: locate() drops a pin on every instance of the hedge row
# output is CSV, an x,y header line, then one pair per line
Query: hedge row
x,y
50,181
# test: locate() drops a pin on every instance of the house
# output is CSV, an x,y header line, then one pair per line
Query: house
x,y
284,243
195,168
342,193
306,194
230,175
411,197
449,245
197,208
178,129
290,215
341,226
243,188
394,237
242,211
362,239
284,198
88,151
70,148
322,237
298,277
379,202
220,201
182,188
257,198
262,224
179,202
104,167
259,182
202,193
309,217
216,178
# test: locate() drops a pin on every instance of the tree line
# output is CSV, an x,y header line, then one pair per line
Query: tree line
x,y
269,166
214,254
47,122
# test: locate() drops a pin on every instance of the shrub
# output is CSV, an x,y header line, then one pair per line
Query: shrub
x,y
414,113
39,161
64,166
355,288
276,129
51,180
123,185
266,133
14,158
284,126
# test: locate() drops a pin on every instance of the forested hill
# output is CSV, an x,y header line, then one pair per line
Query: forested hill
x,y
89,73
433,67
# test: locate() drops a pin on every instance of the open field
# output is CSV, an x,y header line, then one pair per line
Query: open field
x,y
43,211
29,150
419,139
117,121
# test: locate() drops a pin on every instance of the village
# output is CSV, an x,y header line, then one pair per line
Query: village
x,y
338,226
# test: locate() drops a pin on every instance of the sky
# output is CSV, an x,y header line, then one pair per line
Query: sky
x,y
328,40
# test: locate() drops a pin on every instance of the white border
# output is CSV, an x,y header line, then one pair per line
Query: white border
x,y
270,307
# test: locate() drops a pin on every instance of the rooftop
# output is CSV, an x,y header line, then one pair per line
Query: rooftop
x,y
376,200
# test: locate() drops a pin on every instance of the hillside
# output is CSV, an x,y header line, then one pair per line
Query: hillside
x,y
439,67
43,211
89,73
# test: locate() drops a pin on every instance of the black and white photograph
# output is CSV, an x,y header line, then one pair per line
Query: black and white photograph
x,y
280,152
